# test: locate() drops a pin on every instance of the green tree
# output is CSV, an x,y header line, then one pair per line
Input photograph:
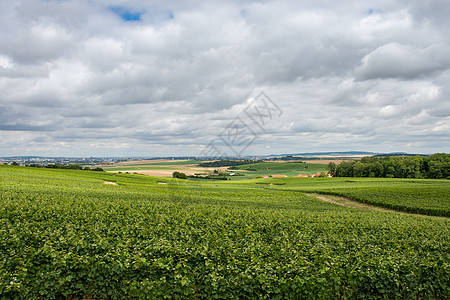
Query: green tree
x,y
376,169
179,175
359,169
435,169
413,166
434,166
331,168
344,169
400,168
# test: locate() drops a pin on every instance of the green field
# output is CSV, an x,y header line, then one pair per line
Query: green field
x,y
167,163
157,165
290,169
247,171
64,234
425,196
142,167
172,163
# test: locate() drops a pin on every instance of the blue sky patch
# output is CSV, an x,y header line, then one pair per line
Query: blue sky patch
x,y
126,14
372,11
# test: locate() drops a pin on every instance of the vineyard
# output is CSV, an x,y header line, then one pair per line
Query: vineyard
x,y
285,168
430,197
65,234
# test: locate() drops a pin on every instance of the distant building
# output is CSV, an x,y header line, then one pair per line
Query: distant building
x,y
315,175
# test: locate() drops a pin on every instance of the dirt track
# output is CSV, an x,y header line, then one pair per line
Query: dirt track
x,y
110,182
342,201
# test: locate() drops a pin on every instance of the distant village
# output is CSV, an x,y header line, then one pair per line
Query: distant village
x,y
43,161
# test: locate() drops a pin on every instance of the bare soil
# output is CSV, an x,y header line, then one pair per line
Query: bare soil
x,y
110,182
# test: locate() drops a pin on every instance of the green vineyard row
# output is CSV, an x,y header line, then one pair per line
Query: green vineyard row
x,y
64,234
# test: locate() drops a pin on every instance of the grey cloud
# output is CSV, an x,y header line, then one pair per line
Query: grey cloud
x,y
35,71
16,119
36,44
25,127
347,74
434,12
395,60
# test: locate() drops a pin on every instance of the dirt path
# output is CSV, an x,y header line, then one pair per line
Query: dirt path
x,y
327,200
110,182
343,201
347,202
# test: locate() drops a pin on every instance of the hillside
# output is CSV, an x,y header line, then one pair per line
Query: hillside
x,y
66,234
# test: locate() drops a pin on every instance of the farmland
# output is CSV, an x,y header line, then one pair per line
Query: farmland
x,y
67,234
425,196
291,169
163,168
190,167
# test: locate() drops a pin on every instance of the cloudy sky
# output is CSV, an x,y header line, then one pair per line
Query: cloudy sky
x,y
163,78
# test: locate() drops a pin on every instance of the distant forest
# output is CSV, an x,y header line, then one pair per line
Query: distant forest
x,y
434,166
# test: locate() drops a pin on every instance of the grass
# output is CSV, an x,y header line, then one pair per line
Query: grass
x,y
159,163
425,196
143,168
289,169
65,234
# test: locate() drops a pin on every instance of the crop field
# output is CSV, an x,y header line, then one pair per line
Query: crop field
x,y
290,169
166,168
151,164
424,196
163,168
65,234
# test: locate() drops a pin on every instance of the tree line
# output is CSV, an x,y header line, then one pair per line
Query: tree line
x,y
67,167
436,166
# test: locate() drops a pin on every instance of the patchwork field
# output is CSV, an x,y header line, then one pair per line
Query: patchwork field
x,y
422,196
165,168
159,168
65,234
290,169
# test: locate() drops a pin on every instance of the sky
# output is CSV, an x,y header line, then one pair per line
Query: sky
x,y
184,78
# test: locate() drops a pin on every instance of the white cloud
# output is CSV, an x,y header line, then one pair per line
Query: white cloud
x,y
368,75
395,60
